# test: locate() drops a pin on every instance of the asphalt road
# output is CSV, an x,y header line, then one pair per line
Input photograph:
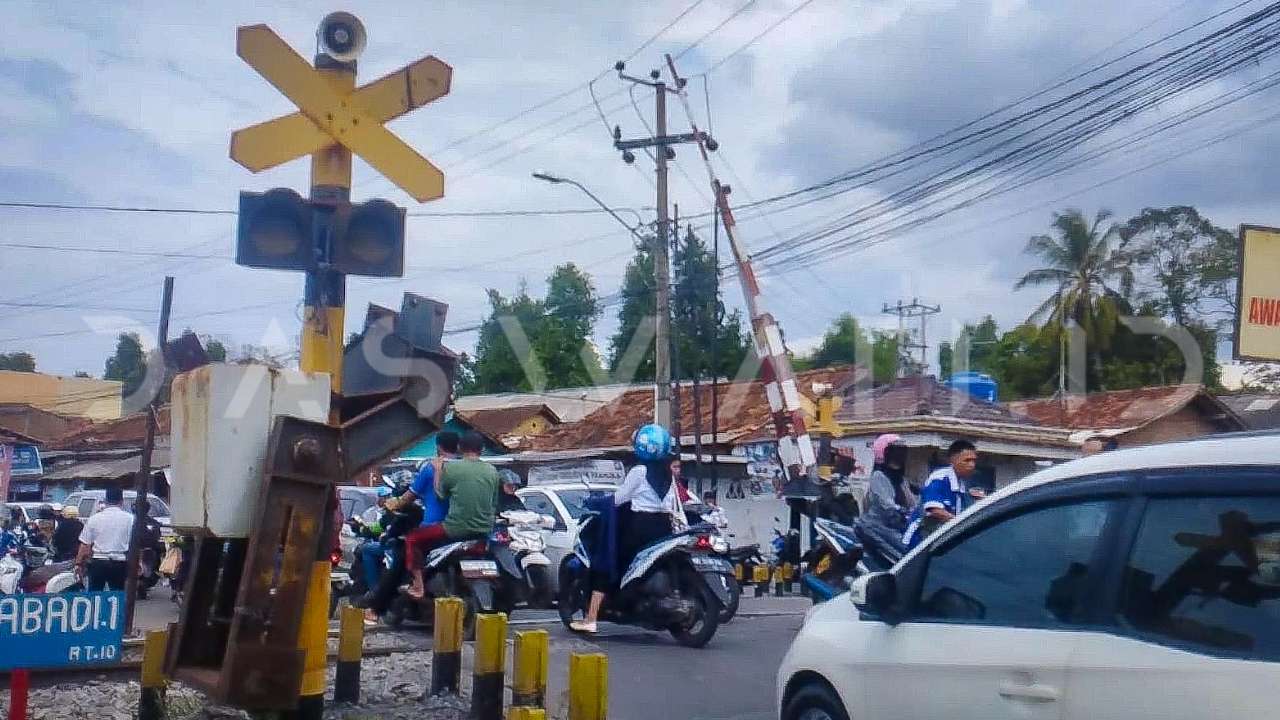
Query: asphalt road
x,y
650,676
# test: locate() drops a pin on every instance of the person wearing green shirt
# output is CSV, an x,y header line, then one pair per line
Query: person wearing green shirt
x,y
471,486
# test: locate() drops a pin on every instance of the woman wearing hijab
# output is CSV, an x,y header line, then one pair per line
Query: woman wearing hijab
x,y
649,490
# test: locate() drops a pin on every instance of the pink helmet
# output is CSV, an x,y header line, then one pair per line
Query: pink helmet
x,y
882,443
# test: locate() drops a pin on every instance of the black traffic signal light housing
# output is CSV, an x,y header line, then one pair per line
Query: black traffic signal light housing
x,y
275,231
280,230
368,239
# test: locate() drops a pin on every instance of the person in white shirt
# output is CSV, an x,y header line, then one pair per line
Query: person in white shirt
x,y
713,513
652,493
104,542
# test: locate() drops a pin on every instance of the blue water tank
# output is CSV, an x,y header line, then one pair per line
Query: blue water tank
x,y
979,385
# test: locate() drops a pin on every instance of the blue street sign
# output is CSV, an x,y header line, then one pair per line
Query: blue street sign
x,y
26,461
66,629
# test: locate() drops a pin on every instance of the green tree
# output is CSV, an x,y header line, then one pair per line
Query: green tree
x,y
564,333
1090,271
1180,253
1024,362
498,365
18,361
886,357
639,306
701,329
216,351
845,342
128,364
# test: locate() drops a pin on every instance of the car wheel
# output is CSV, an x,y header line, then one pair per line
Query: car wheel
x,y
814,701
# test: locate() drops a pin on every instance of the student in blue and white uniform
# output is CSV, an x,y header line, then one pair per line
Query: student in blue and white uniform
x,y
946,493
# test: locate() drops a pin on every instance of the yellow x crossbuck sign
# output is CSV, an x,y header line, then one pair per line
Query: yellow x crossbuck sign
x,y
329,116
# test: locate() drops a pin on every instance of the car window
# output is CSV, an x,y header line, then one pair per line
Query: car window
x,y
574,500
539,502
157,507
1204,572
1027,570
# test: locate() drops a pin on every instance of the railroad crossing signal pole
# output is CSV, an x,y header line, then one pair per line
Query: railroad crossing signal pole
x,y
325,236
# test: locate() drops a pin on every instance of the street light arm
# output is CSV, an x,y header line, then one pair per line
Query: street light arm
x,y
634,230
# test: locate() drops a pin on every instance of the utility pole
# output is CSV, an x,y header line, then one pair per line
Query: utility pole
x,y
914,309
664,153
662,267
142,481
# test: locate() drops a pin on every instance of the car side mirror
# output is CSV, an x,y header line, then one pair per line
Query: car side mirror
x,y
875,595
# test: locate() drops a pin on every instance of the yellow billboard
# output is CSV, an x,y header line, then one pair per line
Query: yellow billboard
x,y
1258,319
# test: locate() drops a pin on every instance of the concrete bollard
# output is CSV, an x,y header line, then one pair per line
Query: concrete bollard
x,y
151,702
446,653
529,670
487,679
588,686
346,680
760,578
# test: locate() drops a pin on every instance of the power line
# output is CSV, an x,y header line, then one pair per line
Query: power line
x,y
159,210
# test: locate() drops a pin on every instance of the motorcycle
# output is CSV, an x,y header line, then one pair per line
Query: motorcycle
x,y
463,569
518,547
29,569
847,552
748,556
674,584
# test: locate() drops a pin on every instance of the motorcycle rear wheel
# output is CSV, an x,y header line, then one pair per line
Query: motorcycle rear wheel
x,y
570,599
706,616
540,587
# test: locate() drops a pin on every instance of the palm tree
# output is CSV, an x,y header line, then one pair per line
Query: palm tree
x,y
1090,271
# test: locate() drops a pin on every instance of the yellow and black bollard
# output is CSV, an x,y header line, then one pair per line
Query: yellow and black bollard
x,y
760,578
346,680
151,703
738,572
446,653
788,575
779,584
529,669
527,713
588,686
488,677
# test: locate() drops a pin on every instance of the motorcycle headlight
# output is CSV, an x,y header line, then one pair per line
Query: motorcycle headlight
x,y
719,544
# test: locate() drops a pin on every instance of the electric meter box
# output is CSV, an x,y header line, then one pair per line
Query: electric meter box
x,y
222,416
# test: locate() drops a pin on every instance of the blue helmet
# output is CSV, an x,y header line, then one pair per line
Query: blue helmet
x,y
652,442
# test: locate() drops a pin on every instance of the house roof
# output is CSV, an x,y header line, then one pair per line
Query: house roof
x,y
502,421
1259,411
1124,409
919,396
743,409
34,422
130,430
569,404
107,468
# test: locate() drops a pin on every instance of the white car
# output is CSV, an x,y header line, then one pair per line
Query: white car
x,y
564,503
1135,584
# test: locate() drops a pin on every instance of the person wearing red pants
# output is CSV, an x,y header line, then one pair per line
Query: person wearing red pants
x,y
471,487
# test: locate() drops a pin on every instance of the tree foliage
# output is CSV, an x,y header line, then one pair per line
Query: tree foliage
x,y
639,306
531,344
707,341
18,362
847,343
1188,264
128,364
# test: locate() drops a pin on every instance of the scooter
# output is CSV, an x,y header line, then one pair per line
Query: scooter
x,y
28,569
518,546
463,569
673,585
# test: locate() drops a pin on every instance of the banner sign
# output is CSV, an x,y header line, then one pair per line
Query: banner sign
x,y
26,461
592,471
1257,323
60,630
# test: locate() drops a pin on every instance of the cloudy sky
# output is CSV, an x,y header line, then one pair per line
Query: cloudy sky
x,y
133,103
